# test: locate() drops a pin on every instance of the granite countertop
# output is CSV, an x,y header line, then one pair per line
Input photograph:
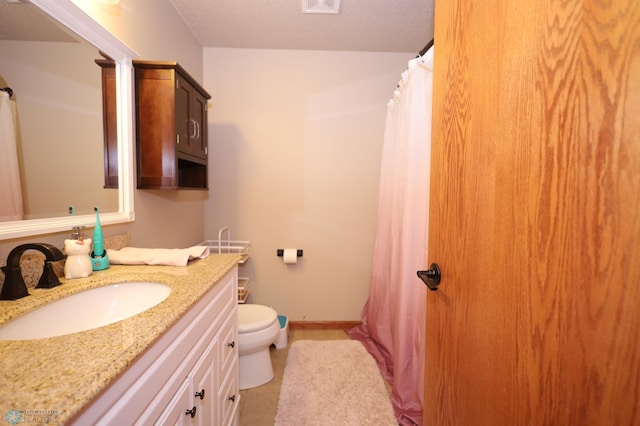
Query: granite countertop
x,y
58,376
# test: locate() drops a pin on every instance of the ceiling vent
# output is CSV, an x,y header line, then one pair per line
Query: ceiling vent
x,y
321,6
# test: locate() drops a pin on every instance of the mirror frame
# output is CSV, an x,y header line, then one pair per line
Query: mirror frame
x,y
75,19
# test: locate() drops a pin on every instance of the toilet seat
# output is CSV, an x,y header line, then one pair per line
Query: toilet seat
x,y
255,317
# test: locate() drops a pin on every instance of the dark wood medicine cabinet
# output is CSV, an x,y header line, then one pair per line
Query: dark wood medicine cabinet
x,y
171,126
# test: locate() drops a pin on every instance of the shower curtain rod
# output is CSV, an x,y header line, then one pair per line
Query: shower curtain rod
x,y
8,90
425,49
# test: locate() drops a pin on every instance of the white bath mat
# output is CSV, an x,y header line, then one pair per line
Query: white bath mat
x,y
332,382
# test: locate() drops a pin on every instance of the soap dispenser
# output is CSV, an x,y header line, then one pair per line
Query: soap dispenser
x,y
77,249
99,256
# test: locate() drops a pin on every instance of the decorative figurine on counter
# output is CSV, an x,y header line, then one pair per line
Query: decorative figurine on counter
x,y
78,263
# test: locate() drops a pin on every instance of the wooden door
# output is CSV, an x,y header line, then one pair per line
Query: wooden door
x,y
535,214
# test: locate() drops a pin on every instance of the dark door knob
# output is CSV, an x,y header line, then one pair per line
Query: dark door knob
x,y
431,277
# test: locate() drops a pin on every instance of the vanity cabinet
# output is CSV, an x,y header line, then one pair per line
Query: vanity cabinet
x,y
188,377
171,127
194,402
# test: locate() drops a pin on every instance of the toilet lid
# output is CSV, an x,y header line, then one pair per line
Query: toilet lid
x,y
255,317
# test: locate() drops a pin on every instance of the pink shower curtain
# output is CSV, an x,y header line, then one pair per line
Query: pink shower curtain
x,y
393,318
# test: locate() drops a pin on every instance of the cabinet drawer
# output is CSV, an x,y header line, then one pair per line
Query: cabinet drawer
x,y
229,396
230,297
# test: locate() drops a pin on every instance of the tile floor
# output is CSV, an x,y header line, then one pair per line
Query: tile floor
x,y
258,406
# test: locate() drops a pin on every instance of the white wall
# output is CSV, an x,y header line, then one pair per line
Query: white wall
x,y
295,145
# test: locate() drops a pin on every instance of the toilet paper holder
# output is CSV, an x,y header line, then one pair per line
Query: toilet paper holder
x,y
280,252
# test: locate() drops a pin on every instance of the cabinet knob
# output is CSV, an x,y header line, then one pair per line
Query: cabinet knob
x,y
232,344
200,394
191,412
232,398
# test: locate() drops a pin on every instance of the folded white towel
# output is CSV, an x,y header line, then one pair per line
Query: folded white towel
x,y
146,256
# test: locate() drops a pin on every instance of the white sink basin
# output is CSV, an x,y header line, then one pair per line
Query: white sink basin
x,y
86,310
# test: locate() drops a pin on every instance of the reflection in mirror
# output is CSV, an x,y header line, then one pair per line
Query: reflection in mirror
x,y
57,94
57,103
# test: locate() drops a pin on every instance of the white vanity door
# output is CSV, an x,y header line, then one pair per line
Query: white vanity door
x,y
205,386
176,413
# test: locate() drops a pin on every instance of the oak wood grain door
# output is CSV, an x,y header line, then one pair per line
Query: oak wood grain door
x,y
535,214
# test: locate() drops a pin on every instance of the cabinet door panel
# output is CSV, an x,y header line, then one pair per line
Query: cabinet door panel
x,y
229,395
176,411
205,386
185,127
155,128
228,343
198,113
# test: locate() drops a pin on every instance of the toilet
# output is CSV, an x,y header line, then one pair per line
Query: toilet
x,y
258,328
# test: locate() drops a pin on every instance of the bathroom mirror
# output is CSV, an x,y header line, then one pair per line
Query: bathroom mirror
x,y
96,39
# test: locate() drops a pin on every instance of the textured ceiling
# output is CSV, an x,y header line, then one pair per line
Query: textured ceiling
x,y
361,25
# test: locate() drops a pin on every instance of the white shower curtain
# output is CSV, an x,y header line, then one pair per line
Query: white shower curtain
x,y
10,189
393,318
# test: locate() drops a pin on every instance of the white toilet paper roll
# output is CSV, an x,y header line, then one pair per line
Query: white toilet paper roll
x,y
290,256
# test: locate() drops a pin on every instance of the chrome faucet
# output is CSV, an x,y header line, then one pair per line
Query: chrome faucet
x,y
14,286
